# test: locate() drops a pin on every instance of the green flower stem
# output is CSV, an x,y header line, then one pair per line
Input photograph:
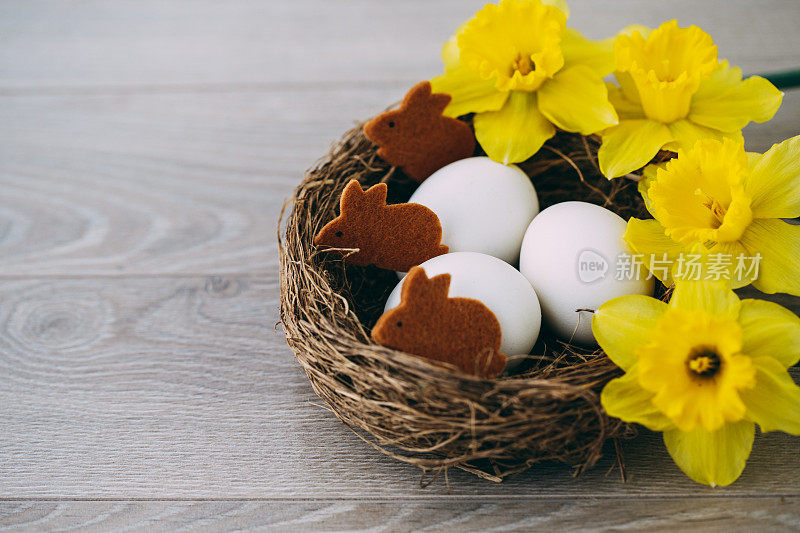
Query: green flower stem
x,y
785,79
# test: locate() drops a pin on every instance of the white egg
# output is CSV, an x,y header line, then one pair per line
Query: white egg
x,y
571,254
483,206
496,284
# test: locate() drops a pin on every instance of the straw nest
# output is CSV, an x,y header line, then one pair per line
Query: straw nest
x,y
426,413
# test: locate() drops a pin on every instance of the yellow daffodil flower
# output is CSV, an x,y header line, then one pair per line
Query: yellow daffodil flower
x,y
704,369
720,200
673,91
523,73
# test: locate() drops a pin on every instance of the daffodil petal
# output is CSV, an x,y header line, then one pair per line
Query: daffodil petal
x,y
649,174
631,145
769,329
715,458
626,109
752,159
560,4
625,399
779,245
450,53
628,87
659,252
515,132
576,100
470,93
720,80
739,271
774,182
631,28
714,297
578,50
725,102
686,133
623,324
774,403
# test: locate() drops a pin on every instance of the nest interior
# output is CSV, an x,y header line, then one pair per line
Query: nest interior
x,y
426,413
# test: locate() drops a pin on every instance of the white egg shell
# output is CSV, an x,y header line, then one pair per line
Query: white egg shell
x,y
496,284
570,255
483,206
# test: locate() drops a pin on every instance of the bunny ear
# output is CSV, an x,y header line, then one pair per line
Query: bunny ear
x,y
418,95
355,199
439,102
376,195
352,197
417,287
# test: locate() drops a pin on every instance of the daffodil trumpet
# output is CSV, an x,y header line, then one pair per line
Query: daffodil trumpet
x,y
671,90
704,369
523,74
717,199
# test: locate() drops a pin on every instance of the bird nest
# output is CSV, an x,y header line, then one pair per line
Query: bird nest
x,y
416,410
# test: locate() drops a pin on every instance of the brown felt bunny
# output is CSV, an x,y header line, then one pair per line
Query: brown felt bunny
x,y
460,331
417,138
396,237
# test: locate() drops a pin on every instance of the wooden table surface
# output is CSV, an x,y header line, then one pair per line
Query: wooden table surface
x,y
146,148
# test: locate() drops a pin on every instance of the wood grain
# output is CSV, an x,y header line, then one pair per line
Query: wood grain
x,y
154,45
145,151
180,387
653,514
176,183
